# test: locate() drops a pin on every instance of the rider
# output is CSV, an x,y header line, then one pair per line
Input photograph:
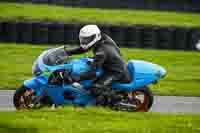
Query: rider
x,y
107,56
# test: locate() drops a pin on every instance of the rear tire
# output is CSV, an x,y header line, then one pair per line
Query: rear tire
x,y
148,100
139,100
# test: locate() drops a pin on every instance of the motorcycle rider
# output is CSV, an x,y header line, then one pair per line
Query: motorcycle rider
x,y
107,56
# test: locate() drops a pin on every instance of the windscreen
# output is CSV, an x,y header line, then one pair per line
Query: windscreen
x,y
55,56
35,69
51,57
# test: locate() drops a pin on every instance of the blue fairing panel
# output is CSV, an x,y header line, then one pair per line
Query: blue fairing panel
x,y
81,96
81,65
37,83
143,74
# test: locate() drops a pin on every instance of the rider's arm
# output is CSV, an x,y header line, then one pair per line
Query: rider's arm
x,y
98,61
75,51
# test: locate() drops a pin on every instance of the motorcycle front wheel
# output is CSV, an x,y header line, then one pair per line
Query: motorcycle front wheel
x,y
23,98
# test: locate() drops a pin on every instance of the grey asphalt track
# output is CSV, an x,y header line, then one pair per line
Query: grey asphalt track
x,y
164,104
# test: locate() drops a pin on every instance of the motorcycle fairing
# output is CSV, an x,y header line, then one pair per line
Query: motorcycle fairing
x,y
143,73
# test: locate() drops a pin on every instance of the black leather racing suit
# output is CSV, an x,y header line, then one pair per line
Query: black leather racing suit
x,y
106,55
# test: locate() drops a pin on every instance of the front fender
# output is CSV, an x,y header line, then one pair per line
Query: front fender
x,y
37,83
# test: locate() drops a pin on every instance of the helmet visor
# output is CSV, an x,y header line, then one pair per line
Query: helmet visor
x,y
86,40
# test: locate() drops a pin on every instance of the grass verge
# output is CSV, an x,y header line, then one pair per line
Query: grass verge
x,y
92,120
30,12
183,67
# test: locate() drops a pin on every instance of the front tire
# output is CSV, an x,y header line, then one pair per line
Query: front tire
x,y
23,98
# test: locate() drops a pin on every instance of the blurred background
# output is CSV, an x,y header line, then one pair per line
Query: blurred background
x,y
165,32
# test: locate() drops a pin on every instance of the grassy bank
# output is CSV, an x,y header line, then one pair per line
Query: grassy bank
x,y
99,121
29,12
182,79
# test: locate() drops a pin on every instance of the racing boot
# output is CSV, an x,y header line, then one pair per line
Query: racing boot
x,y
112,98
97,90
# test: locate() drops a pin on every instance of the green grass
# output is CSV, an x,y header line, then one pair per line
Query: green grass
x,y
183,67
29,12
91,120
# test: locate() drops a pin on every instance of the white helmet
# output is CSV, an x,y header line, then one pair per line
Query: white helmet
x,y
88,36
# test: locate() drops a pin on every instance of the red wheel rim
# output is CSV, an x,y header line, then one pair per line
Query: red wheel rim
x,y
141,100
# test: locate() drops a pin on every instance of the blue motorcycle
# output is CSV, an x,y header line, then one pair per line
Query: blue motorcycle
x,y
48,87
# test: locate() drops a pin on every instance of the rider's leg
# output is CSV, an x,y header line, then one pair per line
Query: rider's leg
x,y
103,91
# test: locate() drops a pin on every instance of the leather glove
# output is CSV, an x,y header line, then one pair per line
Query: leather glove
x,y
65,75
75,78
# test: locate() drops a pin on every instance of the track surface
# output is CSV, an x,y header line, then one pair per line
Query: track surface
x,y
164,104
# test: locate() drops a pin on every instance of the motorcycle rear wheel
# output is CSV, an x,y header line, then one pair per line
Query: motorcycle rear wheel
x,y
139,100
145,104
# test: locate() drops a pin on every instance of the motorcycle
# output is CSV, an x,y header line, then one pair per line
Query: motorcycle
x,y
48,87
